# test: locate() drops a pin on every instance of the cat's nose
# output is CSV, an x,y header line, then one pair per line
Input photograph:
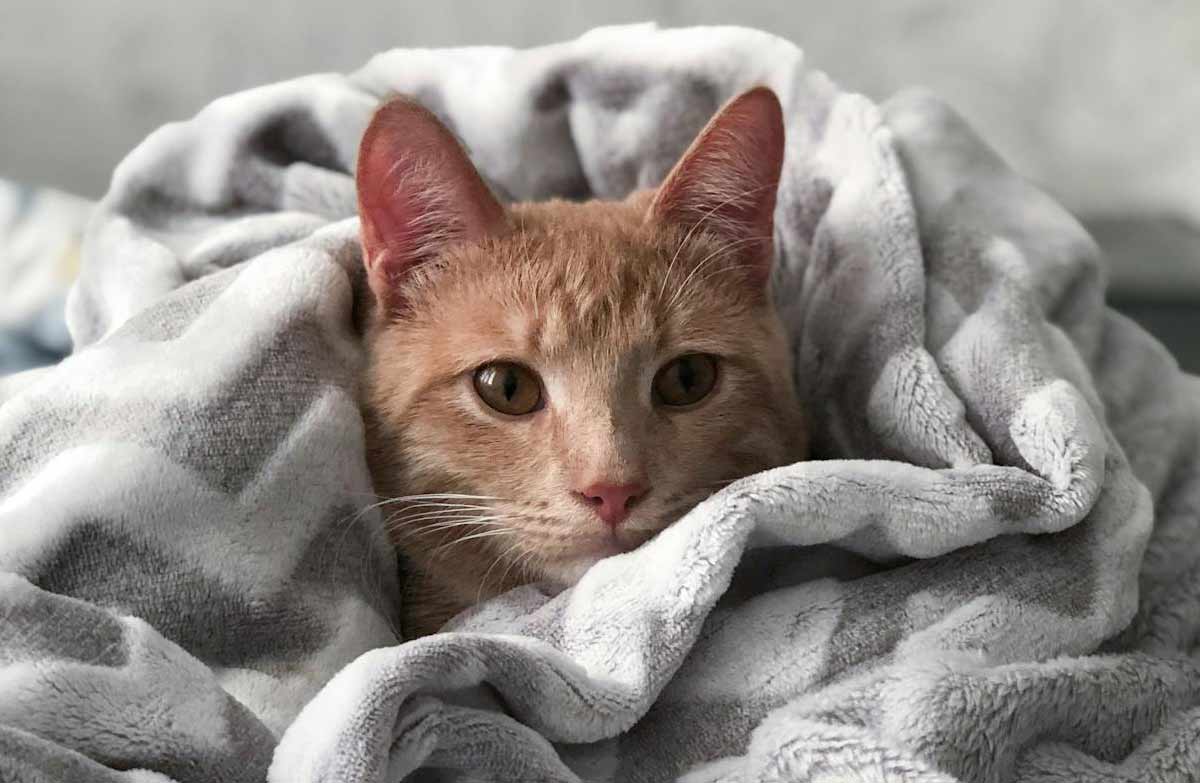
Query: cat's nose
x,y
612,501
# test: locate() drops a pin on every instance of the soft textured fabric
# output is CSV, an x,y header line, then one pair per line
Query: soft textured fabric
x,y
993,575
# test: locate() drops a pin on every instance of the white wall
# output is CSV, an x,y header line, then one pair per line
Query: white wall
x,y
1099,101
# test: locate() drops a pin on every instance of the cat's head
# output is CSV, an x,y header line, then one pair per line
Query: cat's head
x,y
561,380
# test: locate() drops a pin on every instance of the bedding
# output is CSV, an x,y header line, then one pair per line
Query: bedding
x,y
992,575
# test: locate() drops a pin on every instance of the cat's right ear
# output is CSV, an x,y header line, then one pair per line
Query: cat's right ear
x,y
726,181
417,193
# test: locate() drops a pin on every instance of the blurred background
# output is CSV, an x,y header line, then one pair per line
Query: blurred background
x,y
1099,103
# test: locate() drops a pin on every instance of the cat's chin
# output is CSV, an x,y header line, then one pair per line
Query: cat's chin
x,y
570,570
567,572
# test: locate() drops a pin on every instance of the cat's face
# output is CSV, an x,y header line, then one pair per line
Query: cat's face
x,y
562,381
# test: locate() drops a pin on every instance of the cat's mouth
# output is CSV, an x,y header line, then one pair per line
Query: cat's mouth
x,y
620,541
586,554
614,545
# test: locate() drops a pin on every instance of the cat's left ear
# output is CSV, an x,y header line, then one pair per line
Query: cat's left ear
x,y
725,184
418,192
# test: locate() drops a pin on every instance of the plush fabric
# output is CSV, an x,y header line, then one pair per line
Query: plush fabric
x,y
991,575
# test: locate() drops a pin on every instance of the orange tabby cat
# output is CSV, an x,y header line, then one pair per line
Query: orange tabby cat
x,y
553,383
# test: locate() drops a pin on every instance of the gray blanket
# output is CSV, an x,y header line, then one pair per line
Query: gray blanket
x,y
992,575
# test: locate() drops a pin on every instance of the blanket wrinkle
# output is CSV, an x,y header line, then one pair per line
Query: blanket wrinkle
x,y
991,575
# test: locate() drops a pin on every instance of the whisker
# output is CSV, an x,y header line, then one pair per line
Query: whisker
x,y
433,498
464,519
699,222
435,506
483,582
333,555
532,561
710,258
494,529
715,272
521,563
350,520
441,512
482,534
504,576
447,523
493,522
442,504
353,518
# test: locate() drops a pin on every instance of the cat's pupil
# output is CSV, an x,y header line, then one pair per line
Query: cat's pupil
x,y
511,383
686,380
687,374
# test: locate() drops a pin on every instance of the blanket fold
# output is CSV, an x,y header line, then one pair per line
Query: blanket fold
x,y
992,574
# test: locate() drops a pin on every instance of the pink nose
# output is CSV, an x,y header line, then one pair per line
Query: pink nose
x,y
612,501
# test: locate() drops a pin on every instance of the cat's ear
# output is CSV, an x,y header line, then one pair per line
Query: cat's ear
x,y
726,182
417,193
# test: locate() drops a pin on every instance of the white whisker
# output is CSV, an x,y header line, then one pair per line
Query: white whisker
x,y
441,512
441,524
699,222
489,522
482,534
710,258
483,582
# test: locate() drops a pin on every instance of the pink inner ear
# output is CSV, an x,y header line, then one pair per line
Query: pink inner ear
x,y
417,193
726,182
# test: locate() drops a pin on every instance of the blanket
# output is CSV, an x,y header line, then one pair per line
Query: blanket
x,y
991,573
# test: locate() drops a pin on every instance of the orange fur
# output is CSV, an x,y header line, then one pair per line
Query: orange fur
x,y
595,297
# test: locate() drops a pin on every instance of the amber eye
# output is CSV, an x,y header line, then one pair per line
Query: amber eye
x,y
686,380
509,388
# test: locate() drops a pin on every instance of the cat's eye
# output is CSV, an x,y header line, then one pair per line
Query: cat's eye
x,y
686,380
508,388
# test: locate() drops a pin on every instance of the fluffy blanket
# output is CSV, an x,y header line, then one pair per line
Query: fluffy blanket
x,y
993,575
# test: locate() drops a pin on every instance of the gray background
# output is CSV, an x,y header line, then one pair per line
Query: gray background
x,y
1098,102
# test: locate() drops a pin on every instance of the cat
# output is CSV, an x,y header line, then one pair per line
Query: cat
x,y
552,383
